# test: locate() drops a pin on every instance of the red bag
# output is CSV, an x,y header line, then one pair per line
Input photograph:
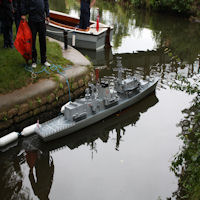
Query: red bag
x,y
23,41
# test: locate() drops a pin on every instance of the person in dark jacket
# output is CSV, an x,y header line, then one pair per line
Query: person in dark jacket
x,y
1,11
17,12
38,12
85,13
7,21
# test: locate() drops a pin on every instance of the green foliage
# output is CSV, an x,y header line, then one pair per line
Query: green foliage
x,y
39,100
186,163
139,3
61,85
59,5
180,6
5,117
190,86
176,5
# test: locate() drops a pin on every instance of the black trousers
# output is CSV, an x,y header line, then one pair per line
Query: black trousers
x,y
40,28
7,33
85,15
17,21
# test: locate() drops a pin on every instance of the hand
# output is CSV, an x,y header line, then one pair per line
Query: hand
x,y
23,17
47,19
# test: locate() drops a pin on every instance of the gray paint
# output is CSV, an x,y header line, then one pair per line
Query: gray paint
x,y
95,101
83,39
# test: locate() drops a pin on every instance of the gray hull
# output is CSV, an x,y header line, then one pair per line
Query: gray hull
x,y
82,40
59,128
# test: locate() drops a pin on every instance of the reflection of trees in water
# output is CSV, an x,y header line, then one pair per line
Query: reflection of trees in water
x,y
178,34
121,17
58,5
159,62
173,32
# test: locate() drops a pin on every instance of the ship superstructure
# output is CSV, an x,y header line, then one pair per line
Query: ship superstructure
x,y
99,102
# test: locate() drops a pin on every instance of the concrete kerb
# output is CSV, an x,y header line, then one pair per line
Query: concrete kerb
x,y
46,87
41,88
72,54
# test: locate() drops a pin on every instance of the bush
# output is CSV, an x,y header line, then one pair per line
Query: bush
x,y
179,6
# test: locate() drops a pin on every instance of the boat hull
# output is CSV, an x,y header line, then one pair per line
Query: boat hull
x,y
124,103
85,39
82,40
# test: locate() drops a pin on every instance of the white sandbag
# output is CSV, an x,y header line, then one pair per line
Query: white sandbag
x,y
29,130
11,137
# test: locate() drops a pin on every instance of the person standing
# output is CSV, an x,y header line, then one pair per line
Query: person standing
x,y
1,11
17,12
38,12
85,13
7,22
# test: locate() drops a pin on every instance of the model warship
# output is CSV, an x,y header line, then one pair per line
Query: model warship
x,y
99,102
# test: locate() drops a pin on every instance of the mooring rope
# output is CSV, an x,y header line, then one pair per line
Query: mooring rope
x,y
53,68
57,68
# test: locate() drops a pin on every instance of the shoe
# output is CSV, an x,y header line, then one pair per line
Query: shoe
x,y
47,64
34,65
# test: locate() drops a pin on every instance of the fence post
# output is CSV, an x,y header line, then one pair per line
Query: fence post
x,y
65,33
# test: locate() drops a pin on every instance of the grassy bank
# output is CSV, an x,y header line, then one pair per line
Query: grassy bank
x,y
13,74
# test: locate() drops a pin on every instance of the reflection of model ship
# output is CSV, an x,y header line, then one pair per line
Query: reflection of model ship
x,y
100,101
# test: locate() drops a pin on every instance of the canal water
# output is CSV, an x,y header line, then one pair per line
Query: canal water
x,y
128,155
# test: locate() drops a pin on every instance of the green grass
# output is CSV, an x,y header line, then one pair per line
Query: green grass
x,y
12,66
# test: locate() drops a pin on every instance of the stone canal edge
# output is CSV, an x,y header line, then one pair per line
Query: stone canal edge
x,y
46,94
